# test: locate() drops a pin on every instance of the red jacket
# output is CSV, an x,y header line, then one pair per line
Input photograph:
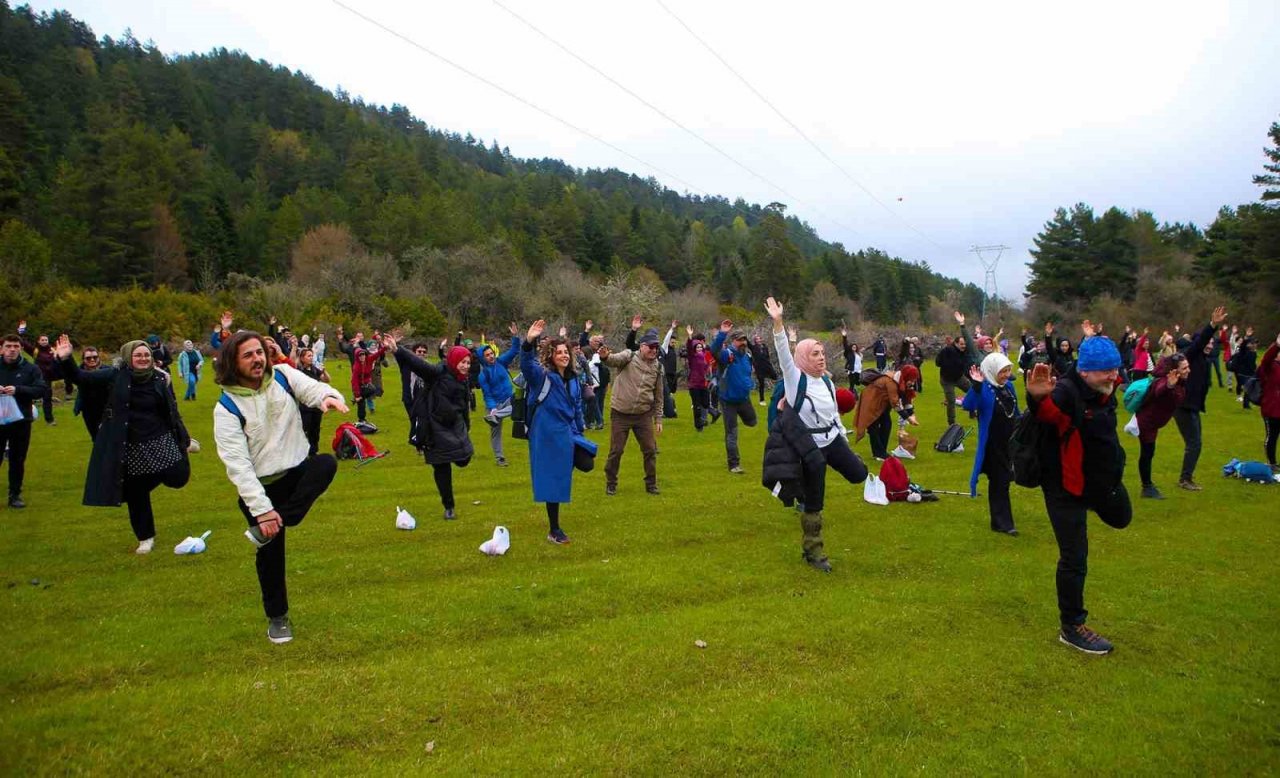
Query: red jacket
x,y
362,367
1160,403
1269,375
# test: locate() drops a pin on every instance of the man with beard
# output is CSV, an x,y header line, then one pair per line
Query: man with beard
x,y
259,435
91,401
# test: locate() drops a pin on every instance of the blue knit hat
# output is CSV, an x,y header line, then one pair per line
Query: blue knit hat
x,y
1098,353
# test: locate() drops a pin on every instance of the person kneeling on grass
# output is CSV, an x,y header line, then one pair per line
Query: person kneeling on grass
x,y
264,448
141,443
1082,469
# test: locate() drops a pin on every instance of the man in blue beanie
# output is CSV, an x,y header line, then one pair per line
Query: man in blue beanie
x,y
1081,465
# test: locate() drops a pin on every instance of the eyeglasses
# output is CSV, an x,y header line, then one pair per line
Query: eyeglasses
x,y
90,357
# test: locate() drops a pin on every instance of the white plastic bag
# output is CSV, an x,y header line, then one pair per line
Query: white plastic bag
x,y
9,411
1132,426
404,519
193,545
498,544
874,491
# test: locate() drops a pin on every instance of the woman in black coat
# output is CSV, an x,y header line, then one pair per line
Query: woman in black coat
x,y
440,419
142,442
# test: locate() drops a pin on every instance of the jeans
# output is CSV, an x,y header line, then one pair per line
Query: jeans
x,y
600,399
292,495
1189,425
17,436
591,411
732,412
137,495
191,388
620,426
1217,368
839,457
1067,514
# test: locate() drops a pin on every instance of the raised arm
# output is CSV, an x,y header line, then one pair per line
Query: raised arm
x,y
790,373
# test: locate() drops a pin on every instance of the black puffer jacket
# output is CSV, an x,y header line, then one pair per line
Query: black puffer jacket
x,y
440,419
1198,379
789,446
953,364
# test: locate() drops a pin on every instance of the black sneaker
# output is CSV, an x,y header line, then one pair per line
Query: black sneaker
x,y
610,490
15,501
279,630
715,416
822,565
491,421
1082,638
558,537
652,490
449,514
502,462
1151,492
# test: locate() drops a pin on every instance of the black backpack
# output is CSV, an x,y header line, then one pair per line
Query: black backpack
x,y
1253,390
1029,434
952,440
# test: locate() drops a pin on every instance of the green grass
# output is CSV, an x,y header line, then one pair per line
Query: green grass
x,y
930,649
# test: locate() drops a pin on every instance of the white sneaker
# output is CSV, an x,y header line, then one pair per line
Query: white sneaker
x,y
145,546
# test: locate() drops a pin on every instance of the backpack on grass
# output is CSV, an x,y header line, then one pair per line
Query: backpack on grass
x,y
952,440
350,443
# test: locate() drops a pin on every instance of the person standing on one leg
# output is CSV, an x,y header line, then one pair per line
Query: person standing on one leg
x,y
1166,393
24,382
1189,412
440,420
1245,363
554,422
735,391
494,380
1082,467
363,359
811,420
953,373
699,394
991,394
141,443
765,373
264,450
636,407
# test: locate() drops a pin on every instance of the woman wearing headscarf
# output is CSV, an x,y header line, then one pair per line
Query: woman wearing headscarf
x,y
815,408
554,393
440,419
142,442
991,394
189,362
885,393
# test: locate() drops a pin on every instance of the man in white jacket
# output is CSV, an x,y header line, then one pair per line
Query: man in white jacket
x,y
258,431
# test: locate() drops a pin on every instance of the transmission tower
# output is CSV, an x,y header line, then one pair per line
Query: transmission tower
x,y
989,291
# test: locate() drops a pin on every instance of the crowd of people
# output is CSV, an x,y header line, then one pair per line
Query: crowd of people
x,y
275,388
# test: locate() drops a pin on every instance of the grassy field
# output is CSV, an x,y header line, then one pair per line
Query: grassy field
x,y
931,649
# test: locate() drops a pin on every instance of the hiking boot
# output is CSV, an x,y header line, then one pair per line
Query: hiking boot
x,y
145,546
652,490
1190,486
279,630
558,537
610,489
15,501
737,470
1151,492
822,565
1081,638
449,514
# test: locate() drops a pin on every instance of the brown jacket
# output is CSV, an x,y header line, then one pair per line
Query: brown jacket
x,y
879,396
637,383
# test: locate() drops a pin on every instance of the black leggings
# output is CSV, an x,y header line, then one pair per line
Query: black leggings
x,y
553,516
444,480
839,457
1273,433
1144,461
879,431
137,495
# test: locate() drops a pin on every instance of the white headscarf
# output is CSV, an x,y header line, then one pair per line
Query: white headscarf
x,y
991,366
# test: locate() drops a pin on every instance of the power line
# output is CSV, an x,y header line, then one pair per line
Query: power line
x,y
666,115
795,127
513,95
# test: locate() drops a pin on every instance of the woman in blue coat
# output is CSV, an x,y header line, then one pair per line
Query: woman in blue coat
x,y
991,394
554,415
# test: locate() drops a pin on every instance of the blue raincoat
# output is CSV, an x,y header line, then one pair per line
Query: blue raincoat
x,y
556,420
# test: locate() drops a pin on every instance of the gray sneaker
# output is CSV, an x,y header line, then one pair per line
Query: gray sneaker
x,y
737,470
280,630
1151,492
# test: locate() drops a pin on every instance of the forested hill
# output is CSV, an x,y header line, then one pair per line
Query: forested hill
x,y
137,168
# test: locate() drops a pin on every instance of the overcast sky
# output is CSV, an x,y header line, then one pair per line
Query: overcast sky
x,y
967,123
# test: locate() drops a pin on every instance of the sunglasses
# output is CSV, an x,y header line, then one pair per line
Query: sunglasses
x,y
90,357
